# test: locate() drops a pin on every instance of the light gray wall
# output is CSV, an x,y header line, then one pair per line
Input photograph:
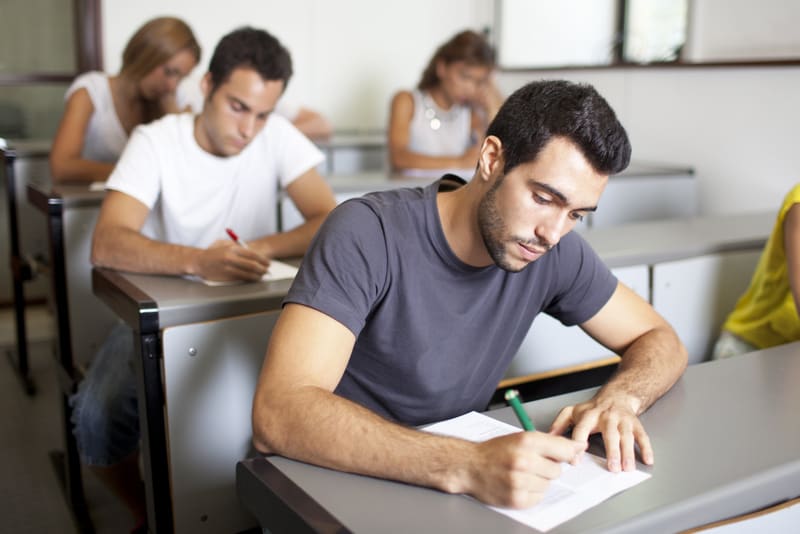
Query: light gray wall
x,y
349,56
735,126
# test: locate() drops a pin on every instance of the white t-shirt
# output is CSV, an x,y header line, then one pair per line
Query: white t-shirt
x,y
193,195
105,137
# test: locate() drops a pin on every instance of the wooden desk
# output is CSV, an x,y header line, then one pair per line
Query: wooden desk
x,y
70,212
725,438
200,350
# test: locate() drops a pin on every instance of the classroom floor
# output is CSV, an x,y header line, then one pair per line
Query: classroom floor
x,y
31,500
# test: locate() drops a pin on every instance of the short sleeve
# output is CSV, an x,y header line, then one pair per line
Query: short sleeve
x,y
136,173
584,284
94,83
295,154
344,272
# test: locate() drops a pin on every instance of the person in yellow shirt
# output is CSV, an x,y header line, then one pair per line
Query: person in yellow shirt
x,y
766,315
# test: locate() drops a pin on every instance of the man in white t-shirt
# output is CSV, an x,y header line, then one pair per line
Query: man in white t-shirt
x,y
180,182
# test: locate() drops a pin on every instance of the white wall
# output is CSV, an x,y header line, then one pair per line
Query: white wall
x,y
349,56
735,126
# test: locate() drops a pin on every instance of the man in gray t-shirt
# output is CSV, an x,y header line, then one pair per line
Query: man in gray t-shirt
x,y
410,304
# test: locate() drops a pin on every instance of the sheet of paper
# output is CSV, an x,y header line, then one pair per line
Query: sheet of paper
x,y
278,270
579,488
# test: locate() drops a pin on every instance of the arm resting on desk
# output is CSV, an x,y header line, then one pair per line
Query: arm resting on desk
x,y
653,358
119,244
296,414
313,198
312,123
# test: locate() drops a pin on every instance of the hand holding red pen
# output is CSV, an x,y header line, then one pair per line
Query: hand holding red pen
x,y
231,260
235,237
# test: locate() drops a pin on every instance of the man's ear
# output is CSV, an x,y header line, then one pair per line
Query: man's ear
x,y
490,160
205,85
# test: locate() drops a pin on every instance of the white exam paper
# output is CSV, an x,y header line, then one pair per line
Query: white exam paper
x,y
278,270
579,488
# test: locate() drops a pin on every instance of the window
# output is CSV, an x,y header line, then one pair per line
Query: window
x,y
43,45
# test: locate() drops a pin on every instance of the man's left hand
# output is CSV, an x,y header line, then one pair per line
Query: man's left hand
x,y
616,420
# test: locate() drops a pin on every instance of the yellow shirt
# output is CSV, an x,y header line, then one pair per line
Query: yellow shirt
x,y
765,315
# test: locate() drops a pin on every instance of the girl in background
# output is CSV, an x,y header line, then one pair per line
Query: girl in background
x,y
102,110
441,123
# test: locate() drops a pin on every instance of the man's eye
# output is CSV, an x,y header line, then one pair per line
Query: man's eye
x,y
576,216
541,200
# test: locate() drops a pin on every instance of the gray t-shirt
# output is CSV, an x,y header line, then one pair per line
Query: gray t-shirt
x,y
434,335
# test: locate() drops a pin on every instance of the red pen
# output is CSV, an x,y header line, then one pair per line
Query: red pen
x,y
235,238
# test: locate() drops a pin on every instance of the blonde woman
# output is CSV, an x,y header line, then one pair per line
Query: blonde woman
x,y
102,110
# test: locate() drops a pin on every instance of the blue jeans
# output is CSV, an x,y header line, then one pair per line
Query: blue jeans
x,y
105,413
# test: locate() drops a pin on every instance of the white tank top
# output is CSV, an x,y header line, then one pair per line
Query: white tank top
x,y
438,132
105,137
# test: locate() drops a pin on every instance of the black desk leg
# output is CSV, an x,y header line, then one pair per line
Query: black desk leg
x,y
67,463
20,366
68,470
154,436
20,272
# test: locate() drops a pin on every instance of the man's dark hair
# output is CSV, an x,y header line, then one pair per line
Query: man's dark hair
x,y
251,48
543,110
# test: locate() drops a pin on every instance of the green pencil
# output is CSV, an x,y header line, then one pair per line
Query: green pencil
x,y
512,398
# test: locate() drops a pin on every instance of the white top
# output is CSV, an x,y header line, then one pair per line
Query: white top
x,y
105,137
438,132
193,195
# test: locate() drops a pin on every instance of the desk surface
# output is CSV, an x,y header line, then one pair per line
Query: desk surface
x,y
726,442
359,139
179,301
638,169
45,195
647,243
26,148
382,180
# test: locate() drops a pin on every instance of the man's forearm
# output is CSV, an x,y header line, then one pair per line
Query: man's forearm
x,y
649,368
292,243
318,427
128,250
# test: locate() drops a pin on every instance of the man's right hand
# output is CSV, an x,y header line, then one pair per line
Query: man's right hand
x,y
225,261
515,470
